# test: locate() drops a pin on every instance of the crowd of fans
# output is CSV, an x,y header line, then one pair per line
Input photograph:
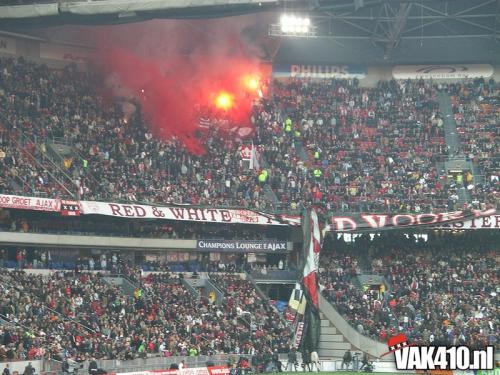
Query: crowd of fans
x,y
332,142
367,148
444,291
242,300
114,157
477,112
116,263
80,316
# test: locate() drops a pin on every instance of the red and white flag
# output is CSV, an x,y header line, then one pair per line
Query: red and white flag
x,y
249,153
312,248
311,265
70,208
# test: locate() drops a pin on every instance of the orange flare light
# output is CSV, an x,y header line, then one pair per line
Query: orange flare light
x,y
224,100
251,82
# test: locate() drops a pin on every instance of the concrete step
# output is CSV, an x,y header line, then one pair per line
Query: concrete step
x,y
328,330
331,338
334,345
331,353
325,323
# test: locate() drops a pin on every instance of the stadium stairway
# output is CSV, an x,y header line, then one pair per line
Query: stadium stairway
x,y
268,191
266,298
33,154
450,126
337,336
126,286
19,185
203,286
456,159
301,151
331,343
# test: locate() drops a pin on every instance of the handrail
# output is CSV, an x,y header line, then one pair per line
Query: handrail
x,y
223,292
46,157
8,320
215,284
18,180
26,152
265,298
361,342
34,159
88,173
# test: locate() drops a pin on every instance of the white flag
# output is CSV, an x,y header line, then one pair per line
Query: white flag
x,y
254,159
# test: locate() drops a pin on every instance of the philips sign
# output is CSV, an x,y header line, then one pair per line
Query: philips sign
x,y
318,71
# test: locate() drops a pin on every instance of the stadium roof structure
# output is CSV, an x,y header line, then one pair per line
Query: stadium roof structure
x,y
400,32
376,32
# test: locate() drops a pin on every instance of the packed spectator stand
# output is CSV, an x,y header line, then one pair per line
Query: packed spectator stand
x,y
332,143
444,291
477,113
79,315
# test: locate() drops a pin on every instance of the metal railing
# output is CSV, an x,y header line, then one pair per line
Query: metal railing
x,y
45,157
61,316
21,147
163,363
266,298
38,164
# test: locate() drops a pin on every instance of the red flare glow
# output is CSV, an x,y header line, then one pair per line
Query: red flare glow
x,y
224,100
251,82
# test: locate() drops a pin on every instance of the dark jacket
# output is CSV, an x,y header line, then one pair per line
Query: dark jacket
x,y
29,370
93,368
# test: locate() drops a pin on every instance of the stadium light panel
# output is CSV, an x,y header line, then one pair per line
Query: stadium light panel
x,y
292,24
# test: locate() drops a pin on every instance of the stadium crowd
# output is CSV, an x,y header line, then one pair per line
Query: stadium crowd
x,y
444,291
477,112
367,148
80,316
333,143
117,263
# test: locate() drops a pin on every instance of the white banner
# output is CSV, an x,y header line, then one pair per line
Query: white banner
x,y
7,45
363,222
469,219
29,203
484,222
454,71
187,213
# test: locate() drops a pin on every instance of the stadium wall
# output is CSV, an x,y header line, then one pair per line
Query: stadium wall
x,y
19,366
57,55
125,243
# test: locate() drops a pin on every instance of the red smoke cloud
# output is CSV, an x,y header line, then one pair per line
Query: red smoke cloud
x,y
176,69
